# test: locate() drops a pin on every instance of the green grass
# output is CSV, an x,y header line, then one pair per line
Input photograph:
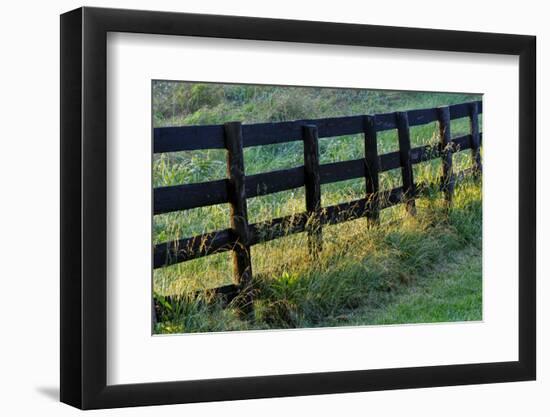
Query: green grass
x,y
449,293
361,269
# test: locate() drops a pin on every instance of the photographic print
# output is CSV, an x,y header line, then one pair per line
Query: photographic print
x,y
285,207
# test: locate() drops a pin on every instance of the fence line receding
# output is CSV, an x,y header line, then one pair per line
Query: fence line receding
x,y
238,187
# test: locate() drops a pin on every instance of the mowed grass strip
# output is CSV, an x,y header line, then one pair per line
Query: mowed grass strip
x,y
451,293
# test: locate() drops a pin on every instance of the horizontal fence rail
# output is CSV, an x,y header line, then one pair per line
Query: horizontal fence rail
x,y
237,187
188,196
191,138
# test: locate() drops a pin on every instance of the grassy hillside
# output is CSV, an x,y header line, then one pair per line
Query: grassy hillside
x,y
360,267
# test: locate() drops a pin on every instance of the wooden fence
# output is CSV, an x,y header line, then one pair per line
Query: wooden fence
x,y
238,187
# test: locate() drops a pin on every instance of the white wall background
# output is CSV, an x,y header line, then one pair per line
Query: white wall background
x,y
29,220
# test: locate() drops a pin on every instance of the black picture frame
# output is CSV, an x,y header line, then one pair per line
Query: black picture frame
x,y
84,207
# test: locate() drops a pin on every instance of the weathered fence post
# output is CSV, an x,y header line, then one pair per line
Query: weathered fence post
x,y
403,133
444,118
312,182
474,129
153,315
242,265
372,167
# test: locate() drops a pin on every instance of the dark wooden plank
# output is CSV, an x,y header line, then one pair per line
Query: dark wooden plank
x,y
280,132
182,250
461,143
389,161
297,223
347,211
474,129
347,170
275,181
458,111
372,168
421,116
391,198
342,171
427,152
385,121
312,181
279,227
404,137
188,196
423,153
339,126
359,208
187,138
236,189
355,168
446,152
458,177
